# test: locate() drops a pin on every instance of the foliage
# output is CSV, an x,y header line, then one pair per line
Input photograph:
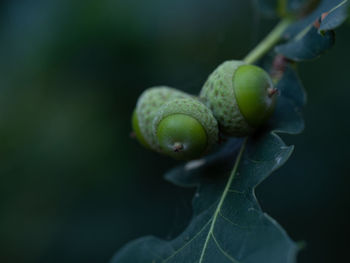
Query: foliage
x,y
228,224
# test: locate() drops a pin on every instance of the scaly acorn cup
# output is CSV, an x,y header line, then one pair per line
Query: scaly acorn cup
x,y
185,128
241,96
146,109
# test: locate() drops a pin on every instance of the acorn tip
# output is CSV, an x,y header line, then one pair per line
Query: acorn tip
x,y
272,91
178,146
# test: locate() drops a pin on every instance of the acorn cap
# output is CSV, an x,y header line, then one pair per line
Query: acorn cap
x,y
241,97
185,128
218,94
147,108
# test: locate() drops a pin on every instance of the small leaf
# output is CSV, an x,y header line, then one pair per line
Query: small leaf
x,y
287,118
291,87
335,17
308,45
306,39
208,168
300,25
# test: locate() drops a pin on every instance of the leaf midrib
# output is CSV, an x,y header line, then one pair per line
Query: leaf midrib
x,y
222,199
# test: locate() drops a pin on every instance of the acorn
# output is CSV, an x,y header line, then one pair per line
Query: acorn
x,y
241,96
185,128
146,109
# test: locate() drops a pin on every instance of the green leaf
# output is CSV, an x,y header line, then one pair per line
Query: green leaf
x,y
201,171
335,17
228,224
309,44
300,25
291,87
309,37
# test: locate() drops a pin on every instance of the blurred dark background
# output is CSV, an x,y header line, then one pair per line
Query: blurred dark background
x,y
74,187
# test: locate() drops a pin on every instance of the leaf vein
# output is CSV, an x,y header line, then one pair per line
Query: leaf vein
x,y
221,200
222,250
187,243
231,222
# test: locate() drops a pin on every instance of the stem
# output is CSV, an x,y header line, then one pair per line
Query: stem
x,y
268,42
282,7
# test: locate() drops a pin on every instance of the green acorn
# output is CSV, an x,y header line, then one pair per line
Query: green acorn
x,y
241,96
147,108
185,128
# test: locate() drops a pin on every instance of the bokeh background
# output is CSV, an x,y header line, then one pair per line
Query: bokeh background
x,y
74,187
